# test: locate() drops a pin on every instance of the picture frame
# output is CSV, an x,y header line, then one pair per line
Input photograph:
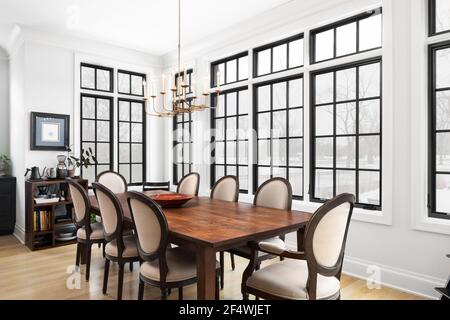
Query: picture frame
x,y
49,132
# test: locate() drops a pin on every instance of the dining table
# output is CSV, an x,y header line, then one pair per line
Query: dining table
x,y
208,226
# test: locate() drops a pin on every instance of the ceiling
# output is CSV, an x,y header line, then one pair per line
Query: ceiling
x,y
147,25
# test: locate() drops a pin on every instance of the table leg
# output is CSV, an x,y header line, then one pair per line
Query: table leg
x,y
206,273
83,254
300,235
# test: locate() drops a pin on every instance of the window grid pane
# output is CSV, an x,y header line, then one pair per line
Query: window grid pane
x,y
230,70
97,78
130,83
183,143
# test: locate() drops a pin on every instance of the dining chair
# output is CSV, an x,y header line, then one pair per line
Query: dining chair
x,y
314,272
226,189
87,233
275,193
162,266
155,186
189,184
113,181
120,247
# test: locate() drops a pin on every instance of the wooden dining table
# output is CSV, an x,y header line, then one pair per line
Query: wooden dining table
x,y
208,226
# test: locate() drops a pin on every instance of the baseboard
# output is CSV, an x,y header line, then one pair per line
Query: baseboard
x,y
399,279
19,233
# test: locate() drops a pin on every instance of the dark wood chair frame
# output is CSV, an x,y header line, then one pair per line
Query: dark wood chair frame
x,y
305,253
222,253
155,186
187,176
118,236
84,245
261,258
97,178
159,254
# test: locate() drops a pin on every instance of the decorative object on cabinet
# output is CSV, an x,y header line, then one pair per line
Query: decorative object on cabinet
x,y
61,168
8,205
49,132
86,159
48,213
35,173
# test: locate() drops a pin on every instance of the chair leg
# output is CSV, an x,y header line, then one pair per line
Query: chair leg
x,y
217,291
120,283
104,245
88,260
245,296
77,259
258,266
163,294
105,277
180,293
169,291
233,265
222,272
99,244
131,266
141,290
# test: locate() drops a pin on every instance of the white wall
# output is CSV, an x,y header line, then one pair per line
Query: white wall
x,y
4,102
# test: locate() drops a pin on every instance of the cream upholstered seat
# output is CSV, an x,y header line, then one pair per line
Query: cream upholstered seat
x,y
162,267
97,232
113,181
120,248
189,184
87,233
287,279
315,273
130,249
226,189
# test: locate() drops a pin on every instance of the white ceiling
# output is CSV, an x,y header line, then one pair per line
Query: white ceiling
x,y
147,25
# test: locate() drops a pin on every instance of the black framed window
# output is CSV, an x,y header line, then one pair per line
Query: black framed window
x,y
282,55
188,82
346,128
97,132
439,124
96,78
130,83
347,37
229,121
439,16
231,70
131,140
182,146
278,121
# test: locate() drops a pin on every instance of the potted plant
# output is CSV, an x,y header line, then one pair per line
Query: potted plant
x,y
4,165
85,160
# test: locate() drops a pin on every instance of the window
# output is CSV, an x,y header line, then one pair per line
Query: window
x,y
130,83
229,70
279,56
439,19
96,78
278,121
439,123
354,35
131,140
188,80
230,120
346,133
182,162
96,132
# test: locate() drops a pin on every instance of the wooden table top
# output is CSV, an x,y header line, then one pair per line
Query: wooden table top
x,y
218,223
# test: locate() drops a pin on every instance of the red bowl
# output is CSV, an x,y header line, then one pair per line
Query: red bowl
x,y
173,200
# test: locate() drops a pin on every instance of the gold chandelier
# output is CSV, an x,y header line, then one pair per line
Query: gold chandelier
x,y
181,100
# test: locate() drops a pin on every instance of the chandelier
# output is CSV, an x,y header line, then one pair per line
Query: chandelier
x,y
181,100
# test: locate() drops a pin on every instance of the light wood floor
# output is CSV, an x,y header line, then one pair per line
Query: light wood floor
x,y
42,275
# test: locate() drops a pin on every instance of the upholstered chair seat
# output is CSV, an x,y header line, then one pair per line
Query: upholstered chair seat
x,y
130,249
97,232
275,242
288,279
181,263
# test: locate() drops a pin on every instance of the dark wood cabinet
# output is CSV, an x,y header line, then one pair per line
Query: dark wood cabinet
x,y
7,205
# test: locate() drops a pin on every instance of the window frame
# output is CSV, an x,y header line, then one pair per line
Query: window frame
x,y
130,143
333,26
256,164
432,130
271,46
432,19
224,61
213,119
129,74
357,135
175,174
189,73
97,67
111,129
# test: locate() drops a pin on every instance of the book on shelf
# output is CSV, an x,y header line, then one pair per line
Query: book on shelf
x,y
48,200
41,220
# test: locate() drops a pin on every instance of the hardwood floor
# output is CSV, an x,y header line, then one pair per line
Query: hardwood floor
x,y
43,275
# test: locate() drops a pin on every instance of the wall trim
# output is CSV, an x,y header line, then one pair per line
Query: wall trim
x,y
19,233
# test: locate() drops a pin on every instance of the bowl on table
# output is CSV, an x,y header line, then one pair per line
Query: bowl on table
x,y
172,200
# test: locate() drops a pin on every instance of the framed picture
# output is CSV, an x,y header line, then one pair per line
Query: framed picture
x,y
49,132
